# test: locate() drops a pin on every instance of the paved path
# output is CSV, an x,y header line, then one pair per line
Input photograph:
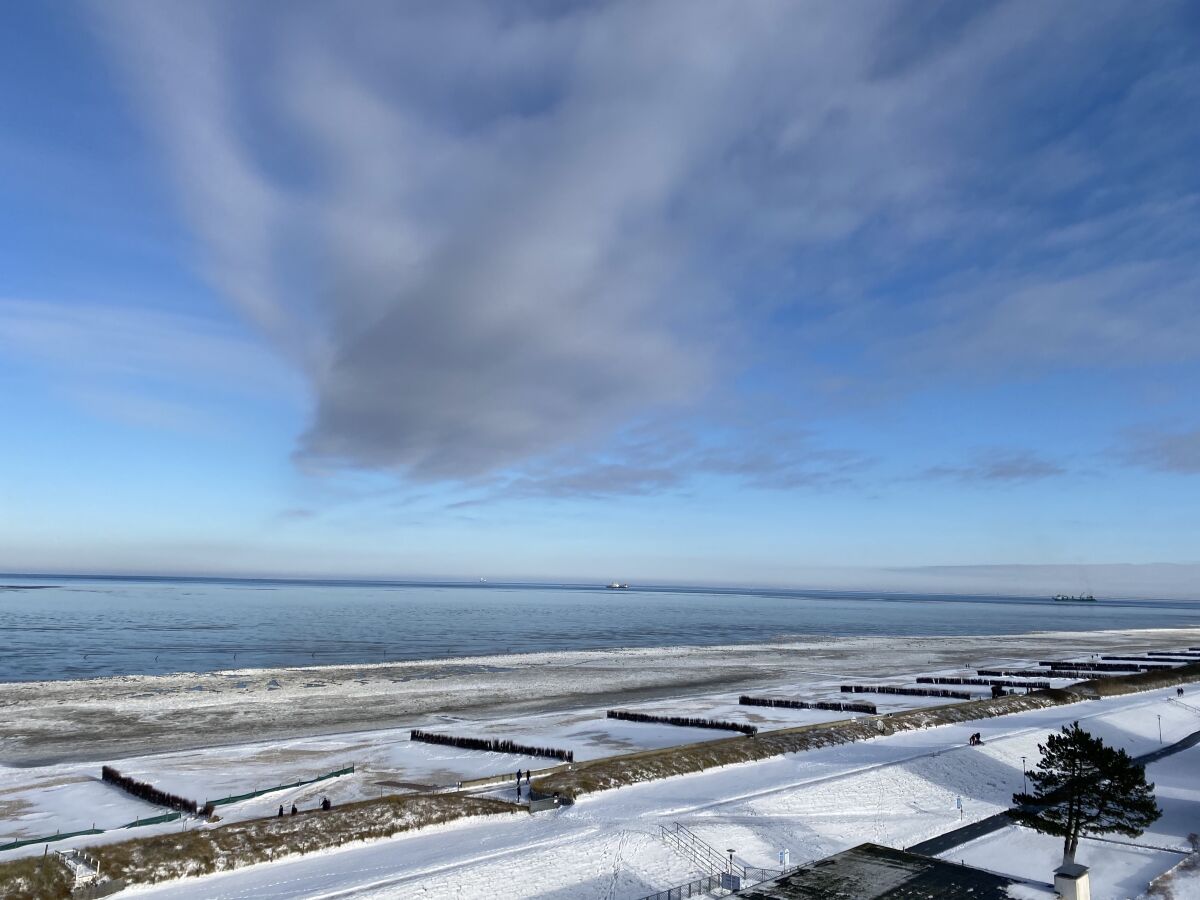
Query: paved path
x,y
952,839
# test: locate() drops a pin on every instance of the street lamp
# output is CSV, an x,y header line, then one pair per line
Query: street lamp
x,y
1024,781
730,852
1159,728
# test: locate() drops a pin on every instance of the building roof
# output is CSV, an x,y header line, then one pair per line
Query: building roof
x,y
872,872
1071,870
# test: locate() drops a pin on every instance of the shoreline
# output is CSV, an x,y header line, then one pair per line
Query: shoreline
x,y
169,860
51,722
544,657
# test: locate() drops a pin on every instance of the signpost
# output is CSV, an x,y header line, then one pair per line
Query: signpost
x,y
729,881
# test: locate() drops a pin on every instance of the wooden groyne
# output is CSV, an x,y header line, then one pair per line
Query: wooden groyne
x,y
986,682
490,745
145,791
829,705
649,765
681,721
1067,665
904,691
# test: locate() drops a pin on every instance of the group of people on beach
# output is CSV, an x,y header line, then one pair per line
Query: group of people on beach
x,y
324,805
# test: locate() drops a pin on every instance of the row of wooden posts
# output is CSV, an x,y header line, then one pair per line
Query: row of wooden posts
x,y
491,745
148,792
830,705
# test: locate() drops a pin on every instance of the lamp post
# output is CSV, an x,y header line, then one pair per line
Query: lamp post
x,y
730,852
1024,780
1159,728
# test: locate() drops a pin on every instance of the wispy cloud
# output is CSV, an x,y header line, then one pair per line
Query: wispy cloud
x,y
141,367
1172,452
653,460
133,406
999,467
138,343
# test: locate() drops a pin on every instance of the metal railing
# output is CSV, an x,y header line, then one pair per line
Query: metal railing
x,y
697,888
84,869
757,874
721,881
703,854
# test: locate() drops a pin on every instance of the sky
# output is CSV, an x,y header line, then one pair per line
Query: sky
x,y
663,291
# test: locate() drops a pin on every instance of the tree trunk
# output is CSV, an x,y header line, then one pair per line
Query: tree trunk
x,y
1070,845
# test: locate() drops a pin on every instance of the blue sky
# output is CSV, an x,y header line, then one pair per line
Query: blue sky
x,y
657,290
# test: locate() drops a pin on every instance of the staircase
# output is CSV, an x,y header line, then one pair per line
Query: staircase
x,y
681,839
84,868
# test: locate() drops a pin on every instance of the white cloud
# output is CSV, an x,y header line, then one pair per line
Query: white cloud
x,y
98,339
141,367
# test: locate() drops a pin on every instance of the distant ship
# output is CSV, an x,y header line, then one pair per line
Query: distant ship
x,y
1082,598
617,586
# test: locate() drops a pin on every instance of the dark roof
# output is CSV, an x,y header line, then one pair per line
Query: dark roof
x,y
1071,870
872,872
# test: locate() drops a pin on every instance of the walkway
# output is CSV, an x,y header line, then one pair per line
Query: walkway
x,y
952,839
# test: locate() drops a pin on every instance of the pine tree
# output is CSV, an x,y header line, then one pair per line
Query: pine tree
x,y
1082,787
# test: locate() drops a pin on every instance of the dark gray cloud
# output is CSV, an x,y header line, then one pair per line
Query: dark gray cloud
x,y
999,467
1173,452
493,234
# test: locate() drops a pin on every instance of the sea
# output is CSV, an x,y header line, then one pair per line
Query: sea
x,y
56,627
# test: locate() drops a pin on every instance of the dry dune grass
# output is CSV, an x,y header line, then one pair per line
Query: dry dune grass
x,y
35,878
207,850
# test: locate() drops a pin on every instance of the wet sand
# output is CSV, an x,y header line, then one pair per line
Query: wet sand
x,y
64,721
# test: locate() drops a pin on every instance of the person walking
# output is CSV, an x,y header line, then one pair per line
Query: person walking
x,y
281,810
294,810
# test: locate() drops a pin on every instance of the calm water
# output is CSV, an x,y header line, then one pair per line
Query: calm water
x,y
79,628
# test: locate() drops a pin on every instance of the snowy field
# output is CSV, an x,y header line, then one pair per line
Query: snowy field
x,y
36,801
896,790
109,719
1121,867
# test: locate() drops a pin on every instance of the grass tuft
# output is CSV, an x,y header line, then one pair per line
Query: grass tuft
x,y
35,878
206,850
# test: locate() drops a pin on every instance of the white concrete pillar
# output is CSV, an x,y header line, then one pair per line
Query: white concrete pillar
x,y
1071,882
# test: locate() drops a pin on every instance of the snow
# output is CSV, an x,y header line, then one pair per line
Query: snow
x,y
1117,871
67,797
1177,787
1181,882
68,802
896,790
115,718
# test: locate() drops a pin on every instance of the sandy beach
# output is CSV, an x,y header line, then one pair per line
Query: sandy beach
x,y
99,719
